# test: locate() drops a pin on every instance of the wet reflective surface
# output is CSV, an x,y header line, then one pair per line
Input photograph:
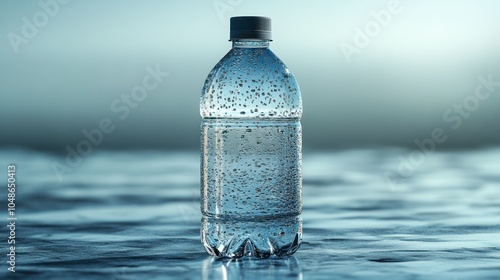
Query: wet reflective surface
x,y
136,216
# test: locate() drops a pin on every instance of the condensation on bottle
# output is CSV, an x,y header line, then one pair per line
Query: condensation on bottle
x,y
251,149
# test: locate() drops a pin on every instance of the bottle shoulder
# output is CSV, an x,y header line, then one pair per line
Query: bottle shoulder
x,y
251,83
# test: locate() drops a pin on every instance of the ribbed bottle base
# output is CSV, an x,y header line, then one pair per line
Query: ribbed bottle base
x,y
261,238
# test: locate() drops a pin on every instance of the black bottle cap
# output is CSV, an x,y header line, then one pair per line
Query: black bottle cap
x,y
250,27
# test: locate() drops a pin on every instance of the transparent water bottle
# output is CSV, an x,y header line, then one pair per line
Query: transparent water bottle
x,y
251,158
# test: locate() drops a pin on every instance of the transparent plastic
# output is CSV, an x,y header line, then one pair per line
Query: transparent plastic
x,y
251,157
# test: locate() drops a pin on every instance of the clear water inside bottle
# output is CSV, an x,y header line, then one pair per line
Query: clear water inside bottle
x,y
251,158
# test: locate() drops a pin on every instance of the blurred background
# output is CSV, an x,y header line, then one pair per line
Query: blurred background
x,y
377,77
64,64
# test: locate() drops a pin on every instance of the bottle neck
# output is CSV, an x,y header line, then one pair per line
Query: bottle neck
x,y
250,43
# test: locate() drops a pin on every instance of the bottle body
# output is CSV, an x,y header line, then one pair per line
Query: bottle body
x,y
251,158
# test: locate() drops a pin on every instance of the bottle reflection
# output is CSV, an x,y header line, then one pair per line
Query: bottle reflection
x,y
251,268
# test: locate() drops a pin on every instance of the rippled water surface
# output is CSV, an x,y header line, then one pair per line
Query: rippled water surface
x,y
136,216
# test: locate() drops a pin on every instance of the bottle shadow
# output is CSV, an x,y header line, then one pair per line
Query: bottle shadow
x,y
251,268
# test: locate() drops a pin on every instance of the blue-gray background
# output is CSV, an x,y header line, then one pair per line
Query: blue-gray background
x,y
395,91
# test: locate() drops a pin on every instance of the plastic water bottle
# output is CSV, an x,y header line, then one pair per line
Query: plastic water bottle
x,y
251,149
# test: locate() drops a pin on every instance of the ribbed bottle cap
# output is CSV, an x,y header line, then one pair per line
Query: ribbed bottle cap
x,y
250,27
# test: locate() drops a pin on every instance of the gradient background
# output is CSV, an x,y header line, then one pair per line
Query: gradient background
x,y
395,91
